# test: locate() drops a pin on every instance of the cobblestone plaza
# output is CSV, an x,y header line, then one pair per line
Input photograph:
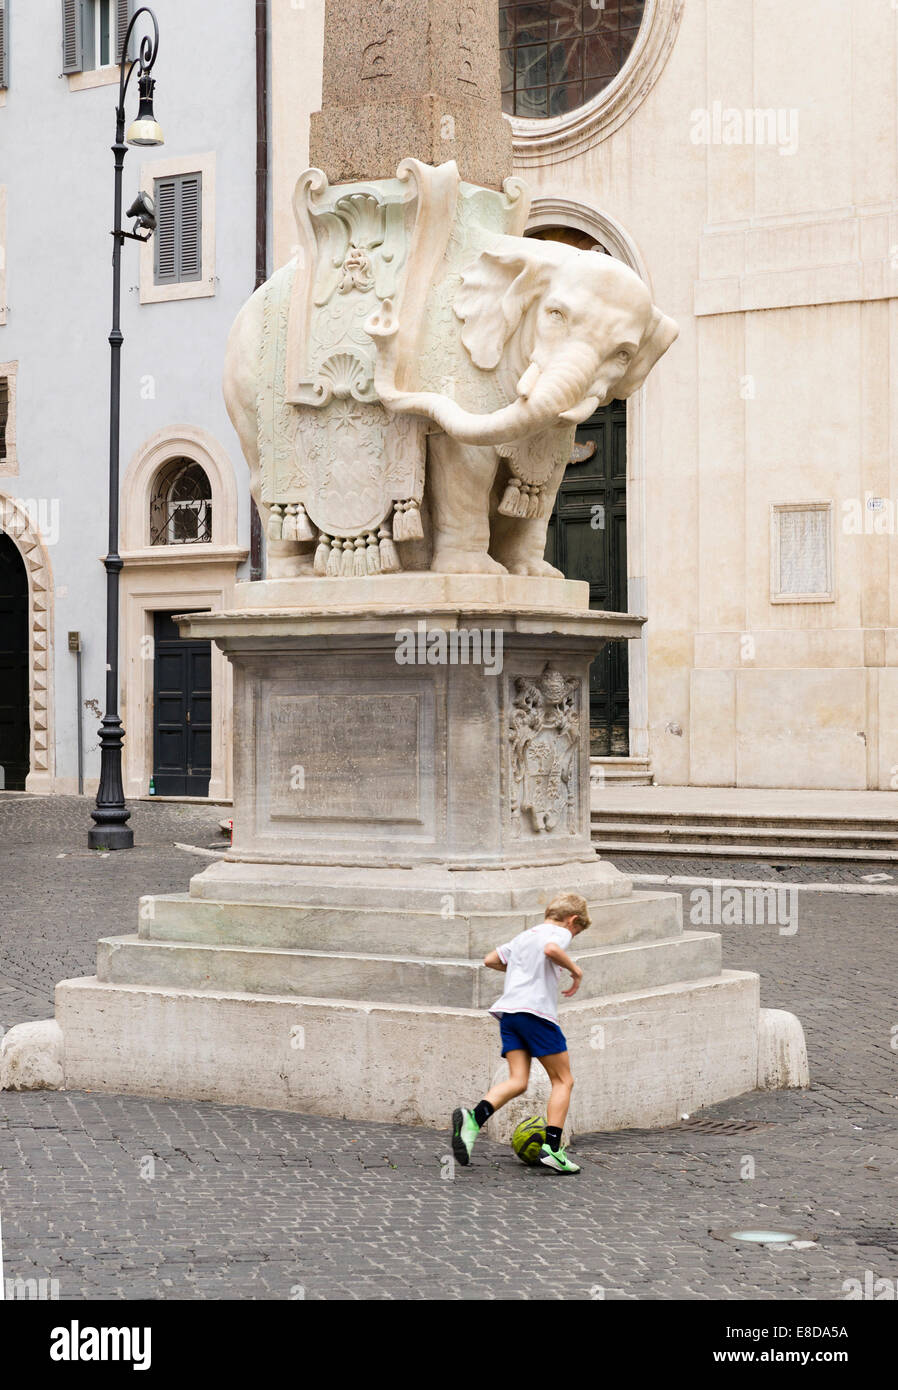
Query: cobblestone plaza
x,y
122,1198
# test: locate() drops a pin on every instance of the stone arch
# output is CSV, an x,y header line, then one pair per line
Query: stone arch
x,y
184,441
18,520
553,212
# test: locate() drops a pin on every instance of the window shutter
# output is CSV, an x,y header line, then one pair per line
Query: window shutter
x,y
165,239
124,9
4,43
191,247
178,250
72,47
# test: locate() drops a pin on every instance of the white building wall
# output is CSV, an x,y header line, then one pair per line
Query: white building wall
x,y
57,169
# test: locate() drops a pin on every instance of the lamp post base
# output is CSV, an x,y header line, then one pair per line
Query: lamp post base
x,y
110,837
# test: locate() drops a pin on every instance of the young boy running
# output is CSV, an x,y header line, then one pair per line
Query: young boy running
x,y
528,1023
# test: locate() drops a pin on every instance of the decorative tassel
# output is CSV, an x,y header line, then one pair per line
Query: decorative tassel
x,y
275,522
335,559
372,554
407,521
511,499
288,530
359,562
535,504
389,560
322,554
346,569
305,531
523,501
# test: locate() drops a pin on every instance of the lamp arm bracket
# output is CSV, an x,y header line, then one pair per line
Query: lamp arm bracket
x,y
149,47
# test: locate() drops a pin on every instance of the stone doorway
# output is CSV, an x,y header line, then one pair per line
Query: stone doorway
x,y
182,712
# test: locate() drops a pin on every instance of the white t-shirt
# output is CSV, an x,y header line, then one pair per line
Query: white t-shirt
x,y
531,978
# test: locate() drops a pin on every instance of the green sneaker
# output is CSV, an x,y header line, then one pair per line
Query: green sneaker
x,y
465,1130
557,1160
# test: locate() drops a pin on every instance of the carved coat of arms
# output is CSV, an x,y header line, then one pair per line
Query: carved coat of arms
x,y
544,739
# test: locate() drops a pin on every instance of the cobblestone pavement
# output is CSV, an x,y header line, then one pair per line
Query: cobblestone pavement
x,y
119,1197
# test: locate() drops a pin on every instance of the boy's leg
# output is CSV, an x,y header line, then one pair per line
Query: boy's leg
x,y
466,1124
558,1068
516,1085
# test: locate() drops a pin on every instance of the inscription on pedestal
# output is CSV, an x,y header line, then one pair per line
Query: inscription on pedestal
x,y
345,756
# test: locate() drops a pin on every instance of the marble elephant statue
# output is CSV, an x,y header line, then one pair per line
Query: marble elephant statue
x,y
544,335
440,356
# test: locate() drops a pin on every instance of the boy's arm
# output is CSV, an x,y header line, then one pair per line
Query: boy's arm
x,y
495,961
561,957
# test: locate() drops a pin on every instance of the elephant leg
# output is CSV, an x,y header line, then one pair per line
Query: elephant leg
x,y
460,478
520,545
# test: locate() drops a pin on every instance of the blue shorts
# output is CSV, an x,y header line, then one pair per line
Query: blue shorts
x,y
528,1033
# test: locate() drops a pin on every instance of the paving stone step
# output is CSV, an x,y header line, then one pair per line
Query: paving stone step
x,y
643,916
740,850
712,826
452,983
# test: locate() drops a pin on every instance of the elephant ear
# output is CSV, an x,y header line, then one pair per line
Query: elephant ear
x,y
495,292
661,332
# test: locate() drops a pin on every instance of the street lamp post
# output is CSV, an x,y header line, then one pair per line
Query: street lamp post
x,y
111,815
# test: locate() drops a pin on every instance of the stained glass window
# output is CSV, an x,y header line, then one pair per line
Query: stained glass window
x,y
558,55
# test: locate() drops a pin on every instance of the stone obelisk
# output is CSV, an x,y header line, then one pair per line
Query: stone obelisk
x,y
412,79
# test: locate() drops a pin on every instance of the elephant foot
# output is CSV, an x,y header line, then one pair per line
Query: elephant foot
x,y
540,568
466,562
289,566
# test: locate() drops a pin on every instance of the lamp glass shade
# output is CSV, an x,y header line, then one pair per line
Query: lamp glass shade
x,y
143,132
146,129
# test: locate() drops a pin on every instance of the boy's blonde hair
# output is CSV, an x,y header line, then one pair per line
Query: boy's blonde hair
x,y
569,905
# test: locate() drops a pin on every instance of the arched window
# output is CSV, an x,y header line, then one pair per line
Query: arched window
x,y
181,505
558,55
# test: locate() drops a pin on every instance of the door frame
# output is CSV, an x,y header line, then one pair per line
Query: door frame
x,y
552,212
148,594
17,521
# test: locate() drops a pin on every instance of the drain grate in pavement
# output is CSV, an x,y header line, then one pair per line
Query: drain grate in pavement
x,y
723,1126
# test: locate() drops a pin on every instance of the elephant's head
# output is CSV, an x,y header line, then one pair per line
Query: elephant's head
x,y
578,327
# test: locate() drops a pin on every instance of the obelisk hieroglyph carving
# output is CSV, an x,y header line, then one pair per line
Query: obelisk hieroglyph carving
x,y
411,79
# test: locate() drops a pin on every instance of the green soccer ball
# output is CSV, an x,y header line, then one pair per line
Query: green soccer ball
x,y
528,1139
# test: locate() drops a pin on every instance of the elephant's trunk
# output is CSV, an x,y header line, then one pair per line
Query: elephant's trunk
x,y
561,387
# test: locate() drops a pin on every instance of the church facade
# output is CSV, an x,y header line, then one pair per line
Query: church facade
x,y
739,155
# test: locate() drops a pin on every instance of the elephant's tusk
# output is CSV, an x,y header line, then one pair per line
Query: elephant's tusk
x,y
528,380
582,411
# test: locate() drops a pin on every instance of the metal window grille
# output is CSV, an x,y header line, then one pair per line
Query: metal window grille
x,y
181,505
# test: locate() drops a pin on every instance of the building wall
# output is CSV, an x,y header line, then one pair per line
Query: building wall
x,y
782,271
57,171
778,257
778,260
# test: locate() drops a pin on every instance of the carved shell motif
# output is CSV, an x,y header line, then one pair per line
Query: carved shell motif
x,y
348,375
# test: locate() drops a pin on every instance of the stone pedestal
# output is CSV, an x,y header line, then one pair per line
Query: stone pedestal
x,y
393,821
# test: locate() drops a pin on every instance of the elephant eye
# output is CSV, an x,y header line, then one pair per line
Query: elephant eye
x,y
624,356
556,314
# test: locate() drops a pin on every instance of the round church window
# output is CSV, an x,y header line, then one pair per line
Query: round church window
x,y
559,55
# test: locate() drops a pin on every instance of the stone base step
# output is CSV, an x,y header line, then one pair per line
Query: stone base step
x,y
132,960
640,1059
713,833
181,917
736,849
620,772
